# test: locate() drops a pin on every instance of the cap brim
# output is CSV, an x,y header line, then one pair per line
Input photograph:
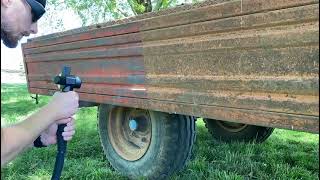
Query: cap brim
x,y
37,9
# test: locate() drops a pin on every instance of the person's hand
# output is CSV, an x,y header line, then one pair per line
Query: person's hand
x,y
49,136
63,105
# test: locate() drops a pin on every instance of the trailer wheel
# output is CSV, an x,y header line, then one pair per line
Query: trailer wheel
x,y
229,131
143,143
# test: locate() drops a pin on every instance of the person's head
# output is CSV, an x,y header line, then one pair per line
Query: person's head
x,y
19,18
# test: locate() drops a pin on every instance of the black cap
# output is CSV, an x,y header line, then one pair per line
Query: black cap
x,y
37,8
43,2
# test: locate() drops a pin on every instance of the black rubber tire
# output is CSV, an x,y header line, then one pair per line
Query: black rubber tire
x,y
170,148
250,133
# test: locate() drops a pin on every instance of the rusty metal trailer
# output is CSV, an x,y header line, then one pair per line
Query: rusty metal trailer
x,y
245,66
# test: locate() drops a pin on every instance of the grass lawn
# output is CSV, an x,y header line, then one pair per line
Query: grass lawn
x,y
285,155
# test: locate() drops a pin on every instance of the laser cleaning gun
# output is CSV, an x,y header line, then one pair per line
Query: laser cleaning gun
x,y
67,83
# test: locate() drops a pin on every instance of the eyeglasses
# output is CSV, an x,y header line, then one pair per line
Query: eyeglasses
x,y
37,10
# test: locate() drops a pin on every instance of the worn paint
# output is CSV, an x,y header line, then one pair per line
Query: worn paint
x,y
247,61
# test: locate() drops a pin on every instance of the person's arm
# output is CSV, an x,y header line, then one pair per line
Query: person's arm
x,y
49,137
19,136
16,138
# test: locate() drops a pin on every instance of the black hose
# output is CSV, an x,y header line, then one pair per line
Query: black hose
x,y
62,148
67,82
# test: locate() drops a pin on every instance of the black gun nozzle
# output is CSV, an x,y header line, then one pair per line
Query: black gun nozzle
x,y
59,80
67,80
78,82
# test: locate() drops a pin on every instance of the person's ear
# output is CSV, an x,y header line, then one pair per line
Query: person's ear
x,y
6,3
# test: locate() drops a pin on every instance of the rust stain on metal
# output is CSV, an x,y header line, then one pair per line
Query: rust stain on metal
x,y
247,61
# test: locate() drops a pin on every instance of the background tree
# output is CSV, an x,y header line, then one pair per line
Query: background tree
x,y
97,11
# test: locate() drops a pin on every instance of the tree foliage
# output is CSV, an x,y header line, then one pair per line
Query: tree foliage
x,y
97,11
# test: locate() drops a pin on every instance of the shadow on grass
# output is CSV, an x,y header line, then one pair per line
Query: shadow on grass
x,y
274,159
277,158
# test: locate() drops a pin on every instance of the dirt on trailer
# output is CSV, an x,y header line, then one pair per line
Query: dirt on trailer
x,y
247,61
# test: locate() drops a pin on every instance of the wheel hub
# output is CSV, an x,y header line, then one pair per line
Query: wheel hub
x,y
133,125
129,132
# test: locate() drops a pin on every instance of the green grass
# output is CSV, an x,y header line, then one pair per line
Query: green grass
x,y
285,155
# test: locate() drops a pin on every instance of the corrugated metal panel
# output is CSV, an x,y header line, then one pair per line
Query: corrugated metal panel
x,y
254,62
